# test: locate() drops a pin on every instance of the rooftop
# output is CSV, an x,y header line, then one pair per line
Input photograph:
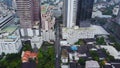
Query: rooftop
x,y
28,54
44,8
72,35
92,64
8,33
10,29
112,51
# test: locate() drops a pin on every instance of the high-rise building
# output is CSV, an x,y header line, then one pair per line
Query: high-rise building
x,y
30,19
77,12
84,11
36,10
69,16
29,13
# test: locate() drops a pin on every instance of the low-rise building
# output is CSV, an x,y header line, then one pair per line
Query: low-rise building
x,y
64,57
92,64
64,66
36,41
116,10
48,20
27,55
112,51
72,35
48,35
10,41
98,13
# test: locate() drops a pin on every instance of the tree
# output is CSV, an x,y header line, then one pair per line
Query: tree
x,y
100,41
11,61
79,42
108,11
27,47
102,63
40,55
3,54
94,55
96,58
111,58
46,57
117,46
112,38
81,61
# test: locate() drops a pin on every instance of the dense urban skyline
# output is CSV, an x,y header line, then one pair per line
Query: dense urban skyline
x,y
59,34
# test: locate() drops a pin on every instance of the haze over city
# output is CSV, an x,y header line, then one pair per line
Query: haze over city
x,y
59,33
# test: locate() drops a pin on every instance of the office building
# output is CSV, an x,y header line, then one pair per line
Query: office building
x,y
77,13
84,11
30,21
69,15
29,13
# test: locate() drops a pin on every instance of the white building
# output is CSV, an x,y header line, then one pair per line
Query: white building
x,y
70,10
65,66
48,35
92,64
33,35
72,35
112,51
10,41
29,32
64,43
116,10
100,15
36,41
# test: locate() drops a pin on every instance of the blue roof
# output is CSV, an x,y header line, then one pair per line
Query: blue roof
x,y
74,48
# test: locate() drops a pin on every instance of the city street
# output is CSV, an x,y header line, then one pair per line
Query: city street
x,y
57,45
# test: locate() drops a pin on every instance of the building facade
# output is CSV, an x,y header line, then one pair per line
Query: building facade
x,y
84,10
30,18
69,15
10,43
76,12
28,11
